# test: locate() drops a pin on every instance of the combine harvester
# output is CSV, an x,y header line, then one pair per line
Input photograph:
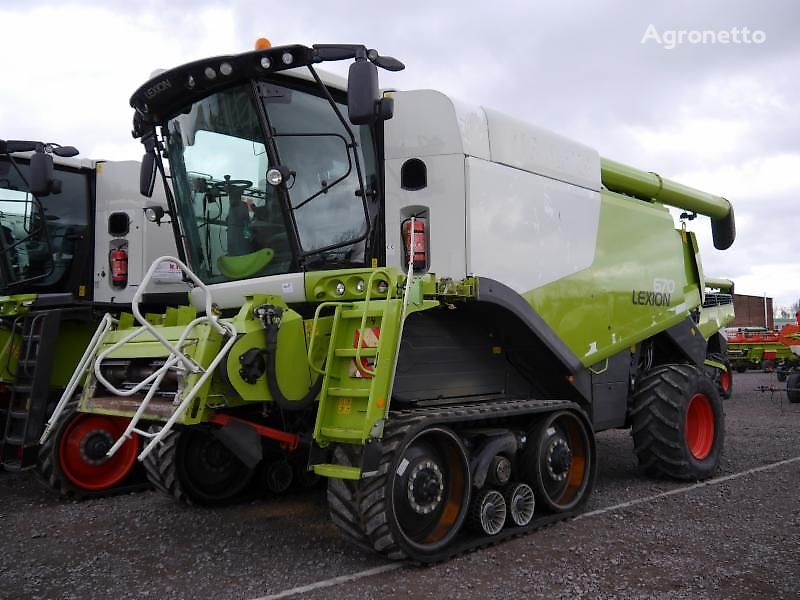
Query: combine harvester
x,y
433,305
74,245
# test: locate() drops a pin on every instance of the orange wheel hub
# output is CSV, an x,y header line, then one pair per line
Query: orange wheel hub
x,y
699,430
82,452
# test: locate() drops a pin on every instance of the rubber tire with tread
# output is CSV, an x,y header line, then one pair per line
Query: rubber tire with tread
x,y
161,466
49,471
658,420
793,388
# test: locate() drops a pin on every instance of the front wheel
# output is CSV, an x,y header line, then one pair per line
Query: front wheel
x,y
193,466
73,460
678,425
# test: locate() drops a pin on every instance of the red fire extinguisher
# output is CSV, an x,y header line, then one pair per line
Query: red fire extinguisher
x,y
419,251
118,259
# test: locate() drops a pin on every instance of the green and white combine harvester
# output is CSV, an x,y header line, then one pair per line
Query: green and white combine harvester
x,y
433,305
74,245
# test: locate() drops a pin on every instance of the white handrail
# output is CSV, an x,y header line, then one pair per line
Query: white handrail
x,y
105,324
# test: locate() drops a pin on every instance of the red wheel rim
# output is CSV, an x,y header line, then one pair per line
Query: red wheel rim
x,y
725,381
81,452
699,426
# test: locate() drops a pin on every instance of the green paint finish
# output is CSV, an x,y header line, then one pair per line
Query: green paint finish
x,y
321,286
629,180
73,337
18,304
714,318
615,303
9,353
337,471
354,401
293,373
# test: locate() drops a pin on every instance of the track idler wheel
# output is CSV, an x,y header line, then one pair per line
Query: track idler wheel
x,y
488,512
73,459
559,461
521,503
429,488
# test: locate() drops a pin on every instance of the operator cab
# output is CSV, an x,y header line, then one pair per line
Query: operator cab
x,y
266,176
43,220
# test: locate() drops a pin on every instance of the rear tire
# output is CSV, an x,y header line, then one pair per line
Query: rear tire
x,y
793,388
678,424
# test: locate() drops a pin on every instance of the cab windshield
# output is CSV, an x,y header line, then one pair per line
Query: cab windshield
x,y
39,238
235,223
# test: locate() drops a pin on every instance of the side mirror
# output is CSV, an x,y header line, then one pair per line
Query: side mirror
x,y
362,92
42,182
147,175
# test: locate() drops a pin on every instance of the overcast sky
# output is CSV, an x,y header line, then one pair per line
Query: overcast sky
x,y
722,117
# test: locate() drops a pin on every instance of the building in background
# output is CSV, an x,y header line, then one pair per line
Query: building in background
x,y
752,311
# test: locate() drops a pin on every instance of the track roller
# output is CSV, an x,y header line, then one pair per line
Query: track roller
x,y
488,512
521,504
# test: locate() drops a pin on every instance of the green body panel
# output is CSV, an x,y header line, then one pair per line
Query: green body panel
x,y
18,304
615,303
293,373
73,337
714,318
9,354
72,340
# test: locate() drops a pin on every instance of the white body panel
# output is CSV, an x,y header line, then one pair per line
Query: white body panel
x,y
506,200
541,231
232,294
117,191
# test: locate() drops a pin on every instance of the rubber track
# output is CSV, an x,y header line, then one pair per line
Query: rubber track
x,y
358,508
51,477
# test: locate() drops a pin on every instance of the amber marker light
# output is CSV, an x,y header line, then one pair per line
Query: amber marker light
x,y
263,44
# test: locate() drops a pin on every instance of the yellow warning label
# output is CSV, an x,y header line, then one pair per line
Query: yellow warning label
x,y
344,406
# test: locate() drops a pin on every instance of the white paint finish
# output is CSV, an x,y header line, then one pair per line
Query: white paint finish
x,y
232,294
531,148
474,129
424,124
526,230
444,197
117,190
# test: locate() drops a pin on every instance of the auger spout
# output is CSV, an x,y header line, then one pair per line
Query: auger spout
x,y
621,178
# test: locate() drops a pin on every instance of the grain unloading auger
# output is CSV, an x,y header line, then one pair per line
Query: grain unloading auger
x,y
434,306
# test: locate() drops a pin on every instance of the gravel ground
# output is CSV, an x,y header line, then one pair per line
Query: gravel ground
x,y
737,538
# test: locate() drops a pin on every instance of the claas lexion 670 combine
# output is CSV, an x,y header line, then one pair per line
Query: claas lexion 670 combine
x,y
433,305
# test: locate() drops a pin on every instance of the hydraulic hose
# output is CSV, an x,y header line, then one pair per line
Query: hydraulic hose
x,y
270,317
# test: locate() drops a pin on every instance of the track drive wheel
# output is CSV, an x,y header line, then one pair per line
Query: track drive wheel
x,y
559,461
793,388
417,503
73,460
193,466
678,425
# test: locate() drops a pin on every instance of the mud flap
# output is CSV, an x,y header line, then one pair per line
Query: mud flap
x,y
243,440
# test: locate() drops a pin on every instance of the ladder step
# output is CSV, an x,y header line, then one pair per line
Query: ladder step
x,y
337,471
341,434
146,434
14,440
357,313
351,352
19,414
349,392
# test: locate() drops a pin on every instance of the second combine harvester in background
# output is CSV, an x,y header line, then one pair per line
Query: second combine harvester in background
x,y
434,305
